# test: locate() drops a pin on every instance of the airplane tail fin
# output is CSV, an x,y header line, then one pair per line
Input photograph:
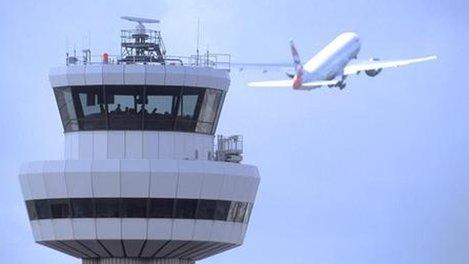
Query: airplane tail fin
x,y
298,78
296,57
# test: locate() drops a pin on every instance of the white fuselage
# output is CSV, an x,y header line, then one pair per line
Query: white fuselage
x,y
329,63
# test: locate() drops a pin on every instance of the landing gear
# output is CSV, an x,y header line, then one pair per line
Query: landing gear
x,y
342,83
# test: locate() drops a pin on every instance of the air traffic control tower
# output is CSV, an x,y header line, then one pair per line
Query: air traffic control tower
x,y
142,180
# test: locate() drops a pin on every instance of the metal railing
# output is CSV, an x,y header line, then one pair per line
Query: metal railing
x,y
229,149
212,60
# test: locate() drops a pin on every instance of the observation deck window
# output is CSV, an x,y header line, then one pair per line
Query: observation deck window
x,y
66,108
60,208
125,107
160,104
139,107
209,111
134,207
107,207
82,207
186,208
161,208
92,108
166,208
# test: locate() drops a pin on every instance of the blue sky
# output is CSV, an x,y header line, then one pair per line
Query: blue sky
x,y
375,173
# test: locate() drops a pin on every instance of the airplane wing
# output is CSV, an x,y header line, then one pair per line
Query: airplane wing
x,y
264,67
376,65
278,83
260,65
289,83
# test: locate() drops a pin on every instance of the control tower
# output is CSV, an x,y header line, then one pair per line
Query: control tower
x,y
141,180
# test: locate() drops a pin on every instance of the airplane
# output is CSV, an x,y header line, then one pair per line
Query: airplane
x,y
331,66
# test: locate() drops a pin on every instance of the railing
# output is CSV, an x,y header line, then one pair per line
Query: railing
x,y
212,60
229,149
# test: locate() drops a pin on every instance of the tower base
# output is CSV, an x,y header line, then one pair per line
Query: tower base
x,y
136,261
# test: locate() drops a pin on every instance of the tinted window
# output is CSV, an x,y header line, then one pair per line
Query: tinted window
x,y
125,107
221,210
134,207
206,209
161,106
235,211
185,208
161,208
189,109
107,207
31,210
139,207
241,211
59,208
248,213
42,209
90,107
189,103
209,111
138,107
66,108
82,207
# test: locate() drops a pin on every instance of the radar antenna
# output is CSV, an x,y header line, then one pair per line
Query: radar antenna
x,y
140,20
141,44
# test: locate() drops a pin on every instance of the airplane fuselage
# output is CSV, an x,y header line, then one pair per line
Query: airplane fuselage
x,y
329,63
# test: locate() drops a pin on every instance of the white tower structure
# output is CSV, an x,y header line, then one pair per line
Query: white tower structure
x,y
141,180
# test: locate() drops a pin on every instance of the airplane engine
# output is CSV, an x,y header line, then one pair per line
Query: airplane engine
x,y
373,73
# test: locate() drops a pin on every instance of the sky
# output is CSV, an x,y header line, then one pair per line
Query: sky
x,y
375,173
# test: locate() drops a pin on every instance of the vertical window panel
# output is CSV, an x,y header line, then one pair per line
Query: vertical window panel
x,y
189,108
206,209
240,212
91,108
43,209
247,216
209,111
82,208
161,208
125,106
134,207
221,210
32,213
66,108
107,207
60,208
185,208
161,104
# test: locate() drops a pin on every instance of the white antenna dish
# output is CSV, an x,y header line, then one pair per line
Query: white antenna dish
x,y
141,20
140,27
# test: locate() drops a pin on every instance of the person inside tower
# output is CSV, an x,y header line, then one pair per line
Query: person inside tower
x,y
118,109
102,109
142,110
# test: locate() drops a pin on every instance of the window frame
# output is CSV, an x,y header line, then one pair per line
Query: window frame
x,y
172,208
77,121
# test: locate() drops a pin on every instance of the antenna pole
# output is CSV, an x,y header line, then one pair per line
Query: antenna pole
x,y
66,43
198,34
89,39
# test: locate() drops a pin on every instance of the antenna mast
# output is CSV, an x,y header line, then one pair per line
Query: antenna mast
x,y
198,34
141,44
